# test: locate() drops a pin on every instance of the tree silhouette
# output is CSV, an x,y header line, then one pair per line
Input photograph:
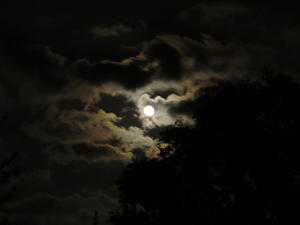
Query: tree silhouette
x,y
7,170
95,218
238,165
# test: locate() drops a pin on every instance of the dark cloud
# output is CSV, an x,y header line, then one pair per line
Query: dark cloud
x,y
210,12
43,56
173,57
168,57
70,104
81,175
4,98
46,23
111,31
34,72
122,107
139,154
42,207
130,74
185,107
90,152
255,28
63,192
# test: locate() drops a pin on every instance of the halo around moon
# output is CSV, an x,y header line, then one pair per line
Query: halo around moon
x,y
149,110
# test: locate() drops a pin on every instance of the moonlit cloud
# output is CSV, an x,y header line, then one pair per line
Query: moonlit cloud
x,y
71,127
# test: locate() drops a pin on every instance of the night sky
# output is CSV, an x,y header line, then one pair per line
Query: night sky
x,y
76,75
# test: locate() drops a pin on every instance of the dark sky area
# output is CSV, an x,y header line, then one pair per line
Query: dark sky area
x,y
75,76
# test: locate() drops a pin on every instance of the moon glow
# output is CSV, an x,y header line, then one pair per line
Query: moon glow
x,y
149,110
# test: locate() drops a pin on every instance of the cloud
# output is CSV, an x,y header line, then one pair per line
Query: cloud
x,y
6,101
87,178
291,36
209,12
68,193
99,104
46,56
96,129
120,105
111,31
43,208
129,73
167,57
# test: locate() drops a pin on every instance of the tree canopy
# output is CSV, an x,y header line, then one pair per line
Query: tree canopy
x,y
238,165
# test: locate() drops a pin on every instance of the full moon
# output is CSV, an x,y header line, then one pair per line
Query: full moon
x,y
149,110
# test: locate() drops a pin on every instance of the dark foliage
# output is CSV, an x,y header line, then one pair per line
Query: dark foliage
x,y
238,165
